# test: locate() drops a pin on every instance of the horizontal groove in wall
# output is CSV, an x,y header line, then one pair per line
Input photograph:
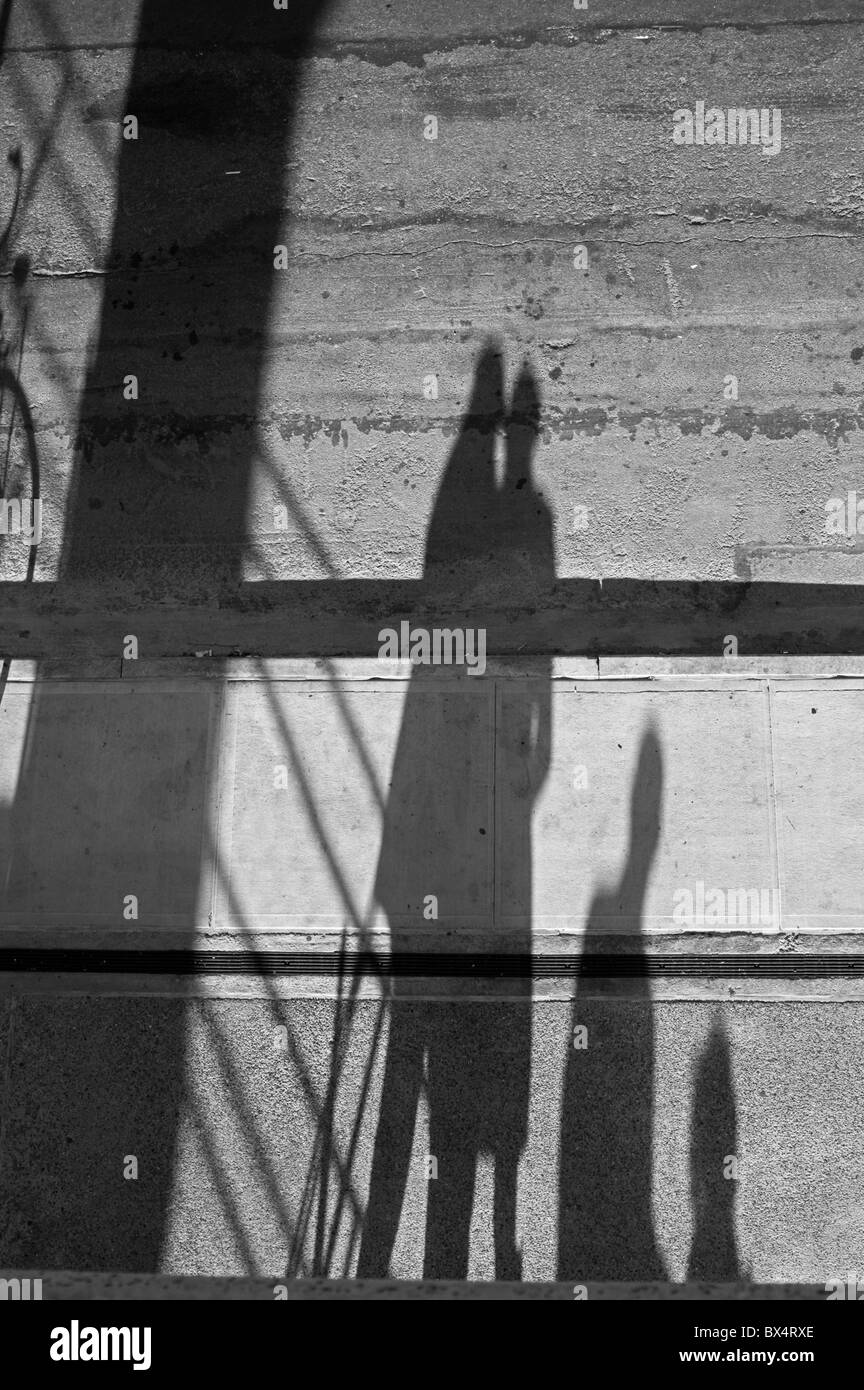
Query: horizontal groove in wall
x,y
426,965
571,617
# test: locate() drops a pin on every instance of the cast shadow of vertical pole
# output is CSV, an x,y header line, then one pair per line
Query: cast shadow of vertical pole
x,y
187,301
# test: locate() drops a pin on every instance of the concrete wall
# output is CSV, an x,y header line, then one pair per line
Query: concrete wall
x,y
274,802
248,1169
405,254
283,487
255,1108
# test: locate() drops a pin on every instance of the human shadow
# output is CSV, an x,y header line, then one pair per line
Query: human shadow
x,y
605,1222
713,1140
472,1059
188,288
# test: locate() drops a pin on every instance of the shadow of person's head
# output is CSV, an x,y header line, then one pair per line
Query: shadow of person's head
x,y
524,517
463,516
503,531
523,432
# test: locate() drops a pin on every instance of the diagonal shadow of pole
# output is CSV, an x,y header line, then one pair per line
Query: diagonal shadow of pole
x,y
344,1004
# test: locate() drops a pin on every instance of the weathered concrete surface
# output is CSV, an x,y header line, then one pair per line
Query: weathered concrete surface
x,y
246,1172
303,389
263,806
405,254
113,23
819,800
112,801
620,1146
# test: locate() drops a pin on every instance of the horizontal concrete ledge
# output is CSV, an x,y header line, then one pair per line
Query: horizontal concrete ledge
x,y
693,673
68,1286
329,618
430,965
